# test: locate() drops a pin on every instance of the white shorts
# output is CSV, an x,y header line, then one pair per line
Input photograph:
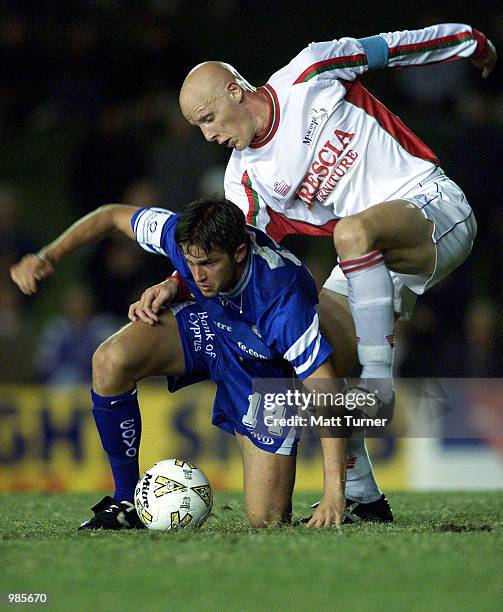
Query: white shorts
x,y
454,230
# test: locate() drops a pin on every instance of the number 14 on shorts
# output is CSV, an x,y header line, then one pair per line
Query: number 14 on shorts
x,y
250,419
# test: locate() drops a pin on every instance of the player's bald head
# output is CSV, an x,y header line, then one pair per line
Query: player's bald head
x,y
206,82
227,109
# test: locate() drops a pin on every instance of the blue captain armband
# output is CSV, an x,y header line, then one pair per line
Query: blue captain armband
x,y
376,50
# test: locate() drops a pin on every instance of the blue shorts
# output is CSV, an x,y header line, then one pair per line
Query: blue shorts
x,y
237,408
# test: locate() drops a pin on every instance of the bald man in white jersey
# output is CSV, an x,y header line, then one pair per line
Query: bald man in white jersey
x,y
314,153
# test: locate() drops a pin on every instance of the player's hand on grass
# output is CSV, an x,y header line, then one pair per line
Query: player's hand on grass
x,y
146,309
330,511
487,63
29,270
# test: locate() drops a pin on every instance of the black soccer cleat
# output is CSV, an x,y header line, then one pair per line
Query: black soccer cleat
x,y
378,511
111,514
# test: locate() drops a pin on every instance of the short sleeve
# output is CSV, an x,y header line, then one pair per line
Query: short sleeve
x,y
154,230
292,328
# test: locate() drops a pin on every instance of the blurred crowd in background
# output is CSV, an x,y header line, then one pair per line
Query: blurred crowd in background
x,y
89,115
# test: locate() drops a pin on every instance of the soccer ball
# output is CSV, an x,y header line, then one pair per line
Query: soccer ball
x,y
173,494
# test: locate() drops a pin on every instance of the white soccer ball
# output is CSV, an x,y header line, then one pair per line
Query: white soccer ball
x,y
173,494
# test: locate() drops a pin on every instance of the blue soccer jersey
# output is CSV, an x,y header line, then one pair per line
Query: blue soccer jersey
x,y
270,314
242,384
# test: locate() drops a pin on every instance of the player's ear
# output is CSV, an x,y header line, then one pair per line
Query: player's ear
x,y
240,253
235,91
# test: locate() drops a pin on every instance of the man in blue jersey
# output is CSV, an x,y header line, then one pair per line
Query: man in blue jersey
x,y
253,316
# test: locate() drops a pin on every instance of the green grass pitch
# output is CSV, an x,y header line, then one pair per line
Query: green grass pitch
x,y
444,552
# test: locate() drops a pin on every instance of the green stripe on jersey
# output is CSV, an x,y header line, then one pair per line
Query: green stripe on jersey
x,y
256,205
334,66
432,47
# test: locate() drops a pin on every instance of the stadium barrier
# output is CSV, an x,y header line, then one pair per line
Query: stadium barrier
x,y
48,441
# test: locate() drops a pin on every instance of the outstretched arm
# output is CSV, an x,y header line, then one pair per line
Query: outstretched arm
x,y
348,58
333,445
93,227
291,324
439,43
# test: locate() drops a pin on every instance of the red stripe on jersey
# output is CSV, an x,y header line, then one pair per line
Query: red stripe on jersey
x,y
280,226
359,96
332,63
274,116
252,197
430,45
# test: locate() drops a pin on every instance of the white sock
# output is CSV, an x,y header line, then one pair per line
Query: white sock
x,y
361,485
370,295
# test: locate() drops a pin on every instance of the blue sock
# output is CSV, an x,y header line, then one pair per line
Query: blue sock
x,y
119,424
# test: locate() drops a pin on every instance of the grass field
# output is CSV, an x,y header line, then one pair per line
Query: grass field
x,y
444,552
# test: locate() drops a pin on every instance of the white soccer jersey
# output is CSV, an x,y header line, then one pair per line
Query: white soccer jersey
x,y
331,149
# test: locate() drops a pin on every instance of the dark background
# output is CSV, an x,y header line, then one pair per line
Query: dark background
x,y
89,115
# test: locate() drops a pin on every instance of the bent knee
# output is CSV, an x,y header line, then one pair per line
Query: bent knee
x,y
112,365
353,236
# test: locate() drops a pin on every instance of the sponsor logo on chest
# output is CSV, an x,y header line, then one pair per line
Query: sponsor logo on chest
x,y
333,160
223,326
317,116
202,336
250,351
